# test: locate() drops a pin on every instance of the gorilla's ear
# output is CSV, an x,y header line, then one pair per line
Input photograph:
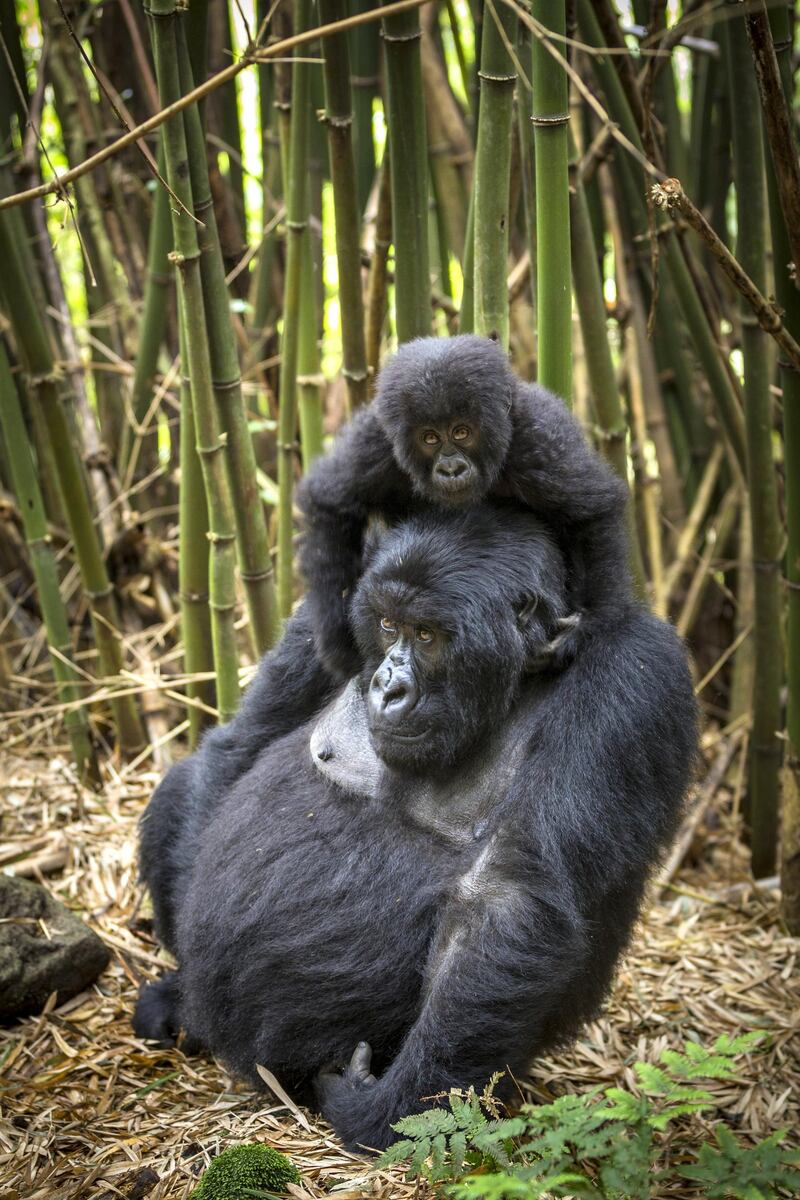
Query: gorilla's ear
x,y
525,607
375,535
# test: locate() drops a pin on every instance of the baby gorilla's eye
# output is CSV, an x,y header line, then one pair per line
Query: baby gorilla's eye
x,y
388,627
461,433
424,634
430,437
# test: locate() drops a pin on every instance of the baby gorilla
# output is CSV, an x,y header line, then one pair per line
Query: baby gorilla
x,y
441,868
450,425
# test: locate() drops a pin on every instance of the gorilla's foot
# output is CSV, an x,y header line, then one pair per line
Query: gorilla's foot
x,y
155,1017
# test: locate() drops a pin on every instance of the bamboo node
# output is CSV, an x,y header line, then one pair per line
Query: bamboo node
x,y
193,597
497,78
101,594
226,385
257,576
358,376
209,451
364,80
402,37
297,226
220,539
609,435
221,608
335,122
553,122
317,380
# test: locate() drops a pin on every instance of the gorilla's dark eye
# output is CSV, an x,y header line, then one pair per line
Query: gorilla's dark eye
x,y
388,627
430,437
461,433
424,634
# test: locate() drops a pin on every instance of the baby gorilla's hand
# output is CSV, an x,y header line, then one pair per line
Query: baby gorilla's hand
x,y
564,647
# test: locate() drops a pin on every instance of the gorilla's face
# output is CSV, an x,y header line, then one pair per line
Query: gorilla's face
x,y
444,404
447,615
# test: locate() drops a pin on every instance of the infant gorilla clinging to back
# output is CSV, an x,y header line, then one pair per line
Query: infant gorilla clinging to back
x,y
450,425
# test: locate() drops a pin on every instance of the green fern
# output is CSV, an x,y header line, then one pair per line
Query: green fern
x,y
602,1145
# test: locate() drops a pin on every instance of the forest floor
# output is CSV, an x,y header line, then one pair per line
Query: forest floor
x,y
88,1112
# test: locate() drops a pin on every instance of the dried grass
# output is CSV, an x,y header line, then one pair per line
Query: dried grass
x,y
88,1111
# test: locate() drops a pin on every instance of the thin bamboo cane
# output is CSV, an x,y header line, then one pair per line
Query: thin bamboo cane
x,y
296,190
613,427
553,279
748,169
210,442
466,316
193,566
157,290
45,572
339,122
377,278
492,172
310,381
252,543
32,339
409,176
789,299
365,81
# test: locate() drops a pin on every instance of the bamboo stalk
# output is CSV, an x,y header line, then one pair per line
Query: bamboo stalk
x,y
193,566
748,169
553,280
378,272
339,122
252,543
23,313
29,497
210,442
409,177
296,190
613,427
364,81
310,381
789,299
492,173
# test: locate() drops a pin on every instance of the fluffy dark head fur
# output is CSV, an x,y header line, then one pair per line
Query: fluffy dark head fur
x,y
438,381
492,581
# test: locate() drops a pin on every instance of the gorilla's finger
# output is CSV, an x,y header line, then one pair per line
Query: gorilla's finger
x,y
360,1063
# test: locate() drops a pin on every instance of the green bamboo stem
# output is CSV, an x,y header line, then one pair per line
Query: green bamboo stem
x,y
32,339
365,56
157,290
613,427
527,157
378,273
252,543
29,497
748,169
310,381
296,189
466,316
788,298
407,142
210,442
492,172
193,566
339,122
553,283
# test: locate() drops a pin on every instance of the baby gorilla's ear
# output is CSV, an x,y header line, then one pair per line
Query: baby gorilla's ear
x,y
375,535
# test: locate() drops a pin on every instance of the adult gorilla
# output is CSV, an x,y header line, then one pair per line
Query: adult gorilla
x,y
458,901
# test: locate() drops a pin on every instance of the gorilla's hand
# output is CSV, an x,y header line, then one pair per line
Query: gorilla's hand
x,y
333,638
348,1101
560,651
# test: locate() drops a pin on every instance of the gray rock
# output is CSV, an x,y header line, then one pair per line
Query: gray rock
x,y
44,948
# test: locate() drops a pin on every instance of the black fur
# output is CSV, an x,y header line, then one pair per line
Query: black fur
x,y
529,449
460,924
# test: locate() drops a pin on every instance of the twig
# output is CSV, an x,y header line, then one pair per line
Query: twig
x,y
779,129
670,196
692,822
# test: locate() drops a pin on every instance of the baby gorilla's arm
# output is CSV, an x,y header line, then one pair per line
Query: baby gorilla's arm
x,y
358,478
551,468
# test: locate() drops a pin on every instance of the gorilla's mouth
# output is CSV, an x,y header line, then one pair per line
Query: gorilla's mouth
x,y
383,731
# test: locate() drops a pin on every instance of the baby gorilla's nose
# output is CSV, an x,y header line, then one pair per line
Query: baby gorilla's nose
x,y
451,468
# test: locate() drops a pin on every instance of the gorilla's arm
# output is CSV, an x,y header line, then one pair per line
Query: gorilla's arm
x,y
551,468
358,478
502,974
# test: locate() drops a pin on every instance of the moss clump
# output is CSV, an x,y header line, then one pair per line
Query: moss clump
x,y
239,1169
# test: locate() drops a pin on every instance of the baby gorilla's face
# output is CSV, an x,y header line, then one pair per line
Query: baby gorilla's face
x,y
449,462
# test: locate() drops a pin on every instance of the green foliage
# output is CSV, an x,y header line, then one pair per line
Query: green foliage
x,y
249,1170
606,1144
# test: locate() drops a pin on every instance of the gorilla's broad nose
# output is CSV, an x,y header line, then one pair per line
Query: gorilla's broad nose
x,y
451,468
392,693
